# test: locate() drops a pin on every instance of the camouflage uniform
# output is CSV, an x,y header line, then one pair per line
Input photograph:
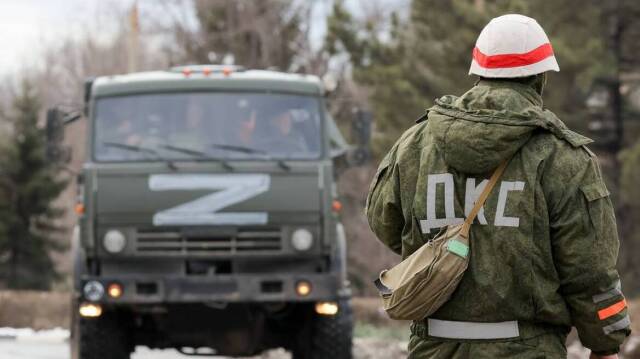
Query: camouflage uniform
x,y
544,248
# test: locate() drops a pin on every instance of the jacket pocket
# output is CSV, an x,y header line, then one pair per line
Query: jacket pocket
x,y
600,208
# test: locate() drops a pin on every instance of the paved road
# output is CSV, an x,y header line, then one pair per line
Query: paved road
x,y
10,349
364,348
26,350
53,344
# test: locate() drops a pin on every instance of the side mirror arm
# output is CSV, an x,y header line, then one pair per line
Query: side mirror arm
x,y
71,117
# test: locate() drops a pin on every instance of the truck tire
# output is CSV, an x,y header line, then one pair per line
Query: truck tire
x,y
100,338
330,336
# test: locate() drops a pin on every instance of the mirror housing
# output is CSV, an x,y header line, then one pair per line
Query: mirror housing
x,y
88,88
55,125
361,135
358,156
361,127
54,133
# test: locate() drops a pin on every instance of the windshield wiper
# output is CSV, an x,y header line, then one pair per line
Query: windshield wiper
x,y
141,149
248,150
200,154
237,148
185,150
134,148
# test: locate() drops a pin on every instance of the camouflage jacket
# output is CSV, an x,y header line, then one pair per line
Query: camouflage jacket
x,y
545,245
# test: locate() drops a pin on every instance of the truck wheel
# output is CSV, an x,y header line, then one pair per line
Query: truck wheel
x,y
330,336
100,338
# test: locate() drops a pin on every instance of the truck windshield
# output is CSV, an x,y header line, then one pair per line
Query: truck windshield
x,y
203,125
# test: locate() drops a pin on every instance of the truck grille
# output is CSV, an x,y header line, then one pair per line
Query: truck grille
x,y
243,241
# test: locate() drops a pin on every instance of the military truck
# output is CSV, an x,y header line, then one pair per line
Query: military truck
x,y
208,216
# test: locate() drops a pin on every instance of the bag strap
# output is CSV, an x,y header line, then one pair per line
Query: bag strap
x,y
464,232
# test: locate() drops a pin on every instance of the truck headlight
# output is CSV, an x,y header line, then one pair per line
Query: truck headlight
x,y
302,239
114,241
93,290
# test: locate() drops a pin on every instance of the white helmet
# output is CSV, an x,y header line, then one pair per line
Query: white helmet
x,y
512,46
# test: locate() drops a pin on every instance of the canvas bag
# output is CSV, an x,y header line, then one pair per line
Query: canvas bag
x,y
424,281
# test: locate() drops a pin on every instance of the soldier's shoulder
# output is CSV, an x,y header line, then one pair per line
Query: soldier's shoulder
x,y
559,138
565,154
412,137
404,144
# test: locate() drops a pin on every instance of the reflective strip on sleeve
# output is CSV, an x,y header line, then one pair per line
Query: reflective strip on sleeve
x,y
612,310
619,325
613,292
472,330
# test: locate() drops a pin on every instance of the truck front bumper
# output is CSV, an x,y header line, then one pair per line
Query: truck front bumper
x,y
219,288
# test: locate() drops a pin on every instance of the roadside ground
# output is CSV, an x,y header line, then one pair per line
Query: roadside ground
x,y
46,314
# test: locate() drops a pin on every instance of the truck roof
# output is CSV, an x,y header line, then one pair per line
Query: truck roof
x,y
206,78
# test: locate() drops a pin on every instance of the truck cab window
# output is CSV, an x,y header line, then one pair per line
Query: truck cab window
x,y
218,125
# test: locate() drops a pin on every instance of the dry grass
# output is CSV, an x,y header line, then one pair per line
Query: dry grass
x,y
37,310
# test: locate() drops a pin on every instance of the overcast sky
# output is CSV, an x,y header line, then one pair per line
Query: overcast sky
x,y
27,25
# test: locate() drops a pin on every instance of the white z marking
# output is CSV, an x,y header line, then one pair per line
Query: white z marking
x,y
232,189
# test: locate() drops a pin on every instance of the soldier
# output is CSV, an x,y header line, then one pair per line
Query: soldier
x,y
545,245
194,132
280,137
247,128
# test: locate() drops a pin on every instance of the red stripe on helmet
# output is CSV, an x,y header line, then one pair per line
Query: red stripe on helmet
x,y
513,60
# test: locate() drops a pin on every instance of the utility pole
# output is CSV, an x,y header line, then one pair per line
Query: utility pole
x,y
612,84
134,39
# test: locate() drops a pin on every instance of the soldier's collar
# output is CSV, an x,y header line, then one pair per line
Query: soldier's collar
x,y
423,117
525,90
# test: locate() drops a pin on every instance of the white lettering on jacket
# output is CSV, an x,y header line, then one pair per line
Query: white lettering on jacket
x,y
449,209
472,192
505,188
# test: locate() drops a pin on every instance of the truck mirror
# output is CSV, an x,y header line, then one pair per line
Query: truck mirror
x,y
88,86
361,127
358,156
54,132
361,136
55,125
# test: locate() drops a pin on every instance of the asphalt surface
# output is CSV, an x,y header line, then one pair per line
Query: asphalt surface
x,y
57,347
27,350
364,348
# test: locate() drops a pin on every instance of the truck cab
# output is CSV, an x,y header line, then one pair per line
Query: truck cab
x,y
209,217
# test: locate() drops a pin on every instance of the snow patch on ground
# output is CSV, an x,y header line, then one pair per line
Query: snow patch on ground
x,y
55,335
